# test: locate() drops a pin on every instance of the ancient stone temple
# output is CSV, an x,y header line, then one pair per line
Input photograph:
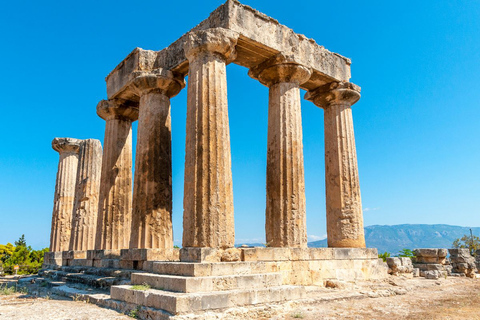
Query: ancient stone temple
x,y
134,230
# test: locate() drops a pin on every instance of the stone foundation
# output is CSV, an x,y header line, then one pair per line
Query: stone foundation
x,y
298,266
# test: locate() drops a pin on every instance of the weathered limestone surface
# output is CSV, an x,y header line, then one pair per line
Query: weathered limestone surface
x,y
400,265
208,199
152,194
260,38
64,192
344,204
115,204
463,262
432,262
84,224
285,211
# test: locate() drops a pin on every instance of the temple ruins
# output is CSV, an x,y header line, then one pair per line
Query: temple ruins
x,y
98,222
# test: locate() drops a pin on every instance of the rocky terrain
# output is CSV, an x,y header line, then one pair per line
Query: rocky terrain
x,y
393,298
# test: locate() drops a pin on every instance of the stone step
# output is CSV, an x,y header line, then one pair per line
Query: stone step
x,y
100,272
106,272
90,280
192,269
176,303
207,284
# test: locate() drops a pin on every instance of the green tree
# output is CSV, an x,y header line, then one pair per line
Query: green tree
x,y
470,242
6,251
29,260
21,242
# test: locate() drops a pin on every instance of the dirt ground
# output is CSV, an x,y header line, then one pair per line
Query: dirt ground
x,y
452,298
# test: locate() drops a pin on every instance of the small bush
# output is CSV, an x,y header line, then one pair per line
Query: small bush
x,y
384,256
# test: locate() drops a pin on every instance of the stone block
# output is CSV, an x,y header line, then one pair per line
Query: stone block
x,y
319,254
80,263
434,266
426,259
107,263
442,253
416,272
394,262
200,255
433,275
406,261
426,252
103,254
354,253
230,255
150,254
459,252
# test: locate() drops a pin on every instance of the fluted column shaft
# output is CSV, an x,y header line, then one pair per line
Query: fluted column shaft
x,y
115,200
285,220
85,211
64,193
152,194
208,201
344,204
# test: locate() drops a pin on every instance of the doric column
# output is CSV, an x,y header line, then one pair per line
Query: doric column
x,y
344,204
285,221
64,192
115,204
152,191
85,210
208,200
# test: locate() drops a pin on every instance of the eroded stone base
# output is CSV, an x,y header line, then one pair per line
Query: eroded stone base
x,y
136,259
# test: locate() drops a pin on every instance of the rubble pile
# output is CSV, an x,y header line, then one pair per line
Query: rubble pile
x,y
463,262
432,263
400,266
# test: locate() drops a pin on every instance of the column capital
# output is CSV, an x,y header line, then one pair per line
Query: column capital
x,y
215,40
280,68
161,80
117,109
66,145
334,93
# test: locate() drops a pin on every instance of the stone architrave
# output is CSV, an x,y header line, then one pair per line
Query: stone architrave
x,y
208,199
344,204
115,200
84,224
152,191
64,192
285,221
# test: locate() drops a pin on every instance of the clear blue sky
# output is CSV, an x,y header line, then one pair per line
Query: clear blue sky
x,y
417,125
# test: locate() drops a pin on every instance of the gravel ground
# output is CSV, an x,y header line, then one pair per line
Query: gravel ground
x,y
394,298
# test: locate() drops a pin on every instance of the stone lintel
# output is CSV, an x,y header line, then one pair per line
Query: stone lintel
x,y
260,38
66,145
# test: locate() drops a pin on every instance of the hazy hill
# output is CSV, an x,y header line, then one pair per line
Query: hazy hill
x,y
411,236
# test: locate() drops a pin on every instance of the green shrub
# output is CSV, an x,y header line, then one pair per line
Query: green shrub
x,y
384,256
28,260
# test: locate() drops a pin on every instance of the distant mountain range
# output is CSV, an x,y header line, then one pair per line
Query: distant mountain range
x,y
395,238
405,236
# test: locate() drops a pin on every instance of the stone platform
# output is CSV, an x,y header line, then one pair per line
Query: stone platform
x,y
196,279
